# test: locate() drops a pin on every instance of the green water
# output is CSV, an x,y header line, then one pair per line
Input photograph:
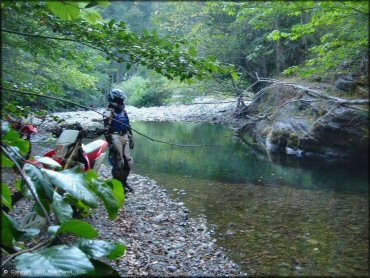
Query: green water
x,y
272,215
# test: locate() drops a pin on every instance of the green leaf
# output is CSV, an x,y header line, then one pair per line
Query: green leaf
x,y
11,135
110,192
23,145
58,260
104,3
235,76
6,162
66,11
100,248
81,206
118,191
20,185
73,182
193,51
6,230
39,184
63,211
14,228
106,194
53,230
92,17
49,162
190,81
213,67
78,228
118,252
90,175
111,23
6,195
104,270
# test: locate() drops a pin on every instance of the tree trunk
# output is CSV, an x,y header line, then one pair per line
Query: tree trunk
x,y
304,17
280,59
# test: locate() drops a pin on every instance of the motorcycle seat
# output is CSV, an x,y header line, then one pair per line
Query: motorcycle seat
x,y
93,146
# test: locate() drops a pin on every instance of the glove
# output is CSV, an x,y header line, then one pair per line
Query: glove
x,y
131,143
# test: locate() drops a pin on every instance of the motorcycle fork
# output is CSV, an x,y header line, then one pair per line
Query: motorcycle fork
x,y
73,156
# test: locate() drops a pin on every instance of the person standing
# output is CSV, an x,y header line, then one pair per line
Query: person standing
x,y
119,137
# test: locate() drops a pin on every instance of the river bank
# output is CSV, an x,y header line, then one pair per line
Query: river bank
x,y
235,231
203,109
161,237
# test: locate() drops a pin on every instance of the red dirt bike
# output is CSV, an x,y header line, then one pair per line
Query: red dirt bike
x,y
25,130
70,151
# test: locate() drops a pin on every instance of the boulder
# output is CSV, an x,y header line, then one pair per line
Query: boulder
x,y
346,83
285,119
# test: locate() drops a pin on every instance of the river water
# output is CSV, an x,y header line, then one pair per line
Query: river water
x,y
272,215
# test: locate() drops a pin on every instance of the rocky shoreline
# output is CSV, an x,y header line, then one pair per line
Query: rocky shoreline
x,y
202,110
161,237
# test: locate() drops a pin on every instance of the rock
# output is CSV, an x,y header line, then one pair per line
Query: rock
x,y
178,245
172,255
141,207
172,268
346,83
159,218
230,233
306,128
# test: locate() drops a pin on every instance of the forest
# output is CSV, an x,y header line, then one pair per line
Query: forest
x,y
134,45
63,56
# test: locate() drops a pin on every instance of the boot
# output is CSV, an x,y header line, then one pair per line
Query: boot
x,y
122,175
127,188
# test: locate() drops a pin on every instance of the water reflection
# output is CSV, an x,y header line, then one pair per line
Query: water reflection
x,y
231,161
295,217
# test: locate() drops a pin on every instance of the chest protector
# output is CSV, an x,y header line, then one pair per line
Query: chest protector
x,y
120,122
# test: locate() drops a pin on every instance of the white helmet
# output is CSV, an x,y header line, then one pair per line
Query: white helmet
x,y
116,94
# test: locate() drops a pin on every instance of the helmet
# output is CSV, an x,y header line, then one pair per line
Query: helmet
x,y
116,95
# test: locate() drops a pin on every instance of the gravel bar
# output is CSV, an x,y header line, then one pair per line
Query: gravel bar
x,y
161,237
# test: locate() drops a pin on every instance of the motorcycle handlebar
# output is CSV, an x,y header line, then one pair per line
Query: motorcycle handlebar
x,y
84,133
92,133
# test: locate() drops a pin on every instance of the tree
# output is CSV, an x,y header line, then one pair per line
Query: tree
x,y
52,48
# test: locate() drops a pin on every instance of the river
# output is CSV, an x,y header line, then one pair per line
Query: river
x,y
272,215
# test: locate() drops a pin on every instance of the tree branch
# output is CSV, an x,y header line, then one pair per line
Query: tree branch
x,y
24,251
352,8
52,38
27,183
63,39
316,93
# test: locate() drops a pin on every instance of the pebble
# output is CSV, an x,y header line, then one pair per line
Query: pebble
x,y
142,207
172,255
172,268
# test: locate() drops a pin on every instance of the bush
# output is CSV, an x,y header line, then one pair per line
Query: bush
x,y
146,92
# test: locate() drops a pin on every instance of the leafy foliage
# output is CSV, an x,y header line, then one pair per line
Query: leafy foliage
x,y
55,261
68,48
58,191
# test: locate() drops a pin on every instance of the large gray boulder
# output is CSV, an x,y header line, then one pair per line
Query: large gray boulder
x,y
286,119
346,83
